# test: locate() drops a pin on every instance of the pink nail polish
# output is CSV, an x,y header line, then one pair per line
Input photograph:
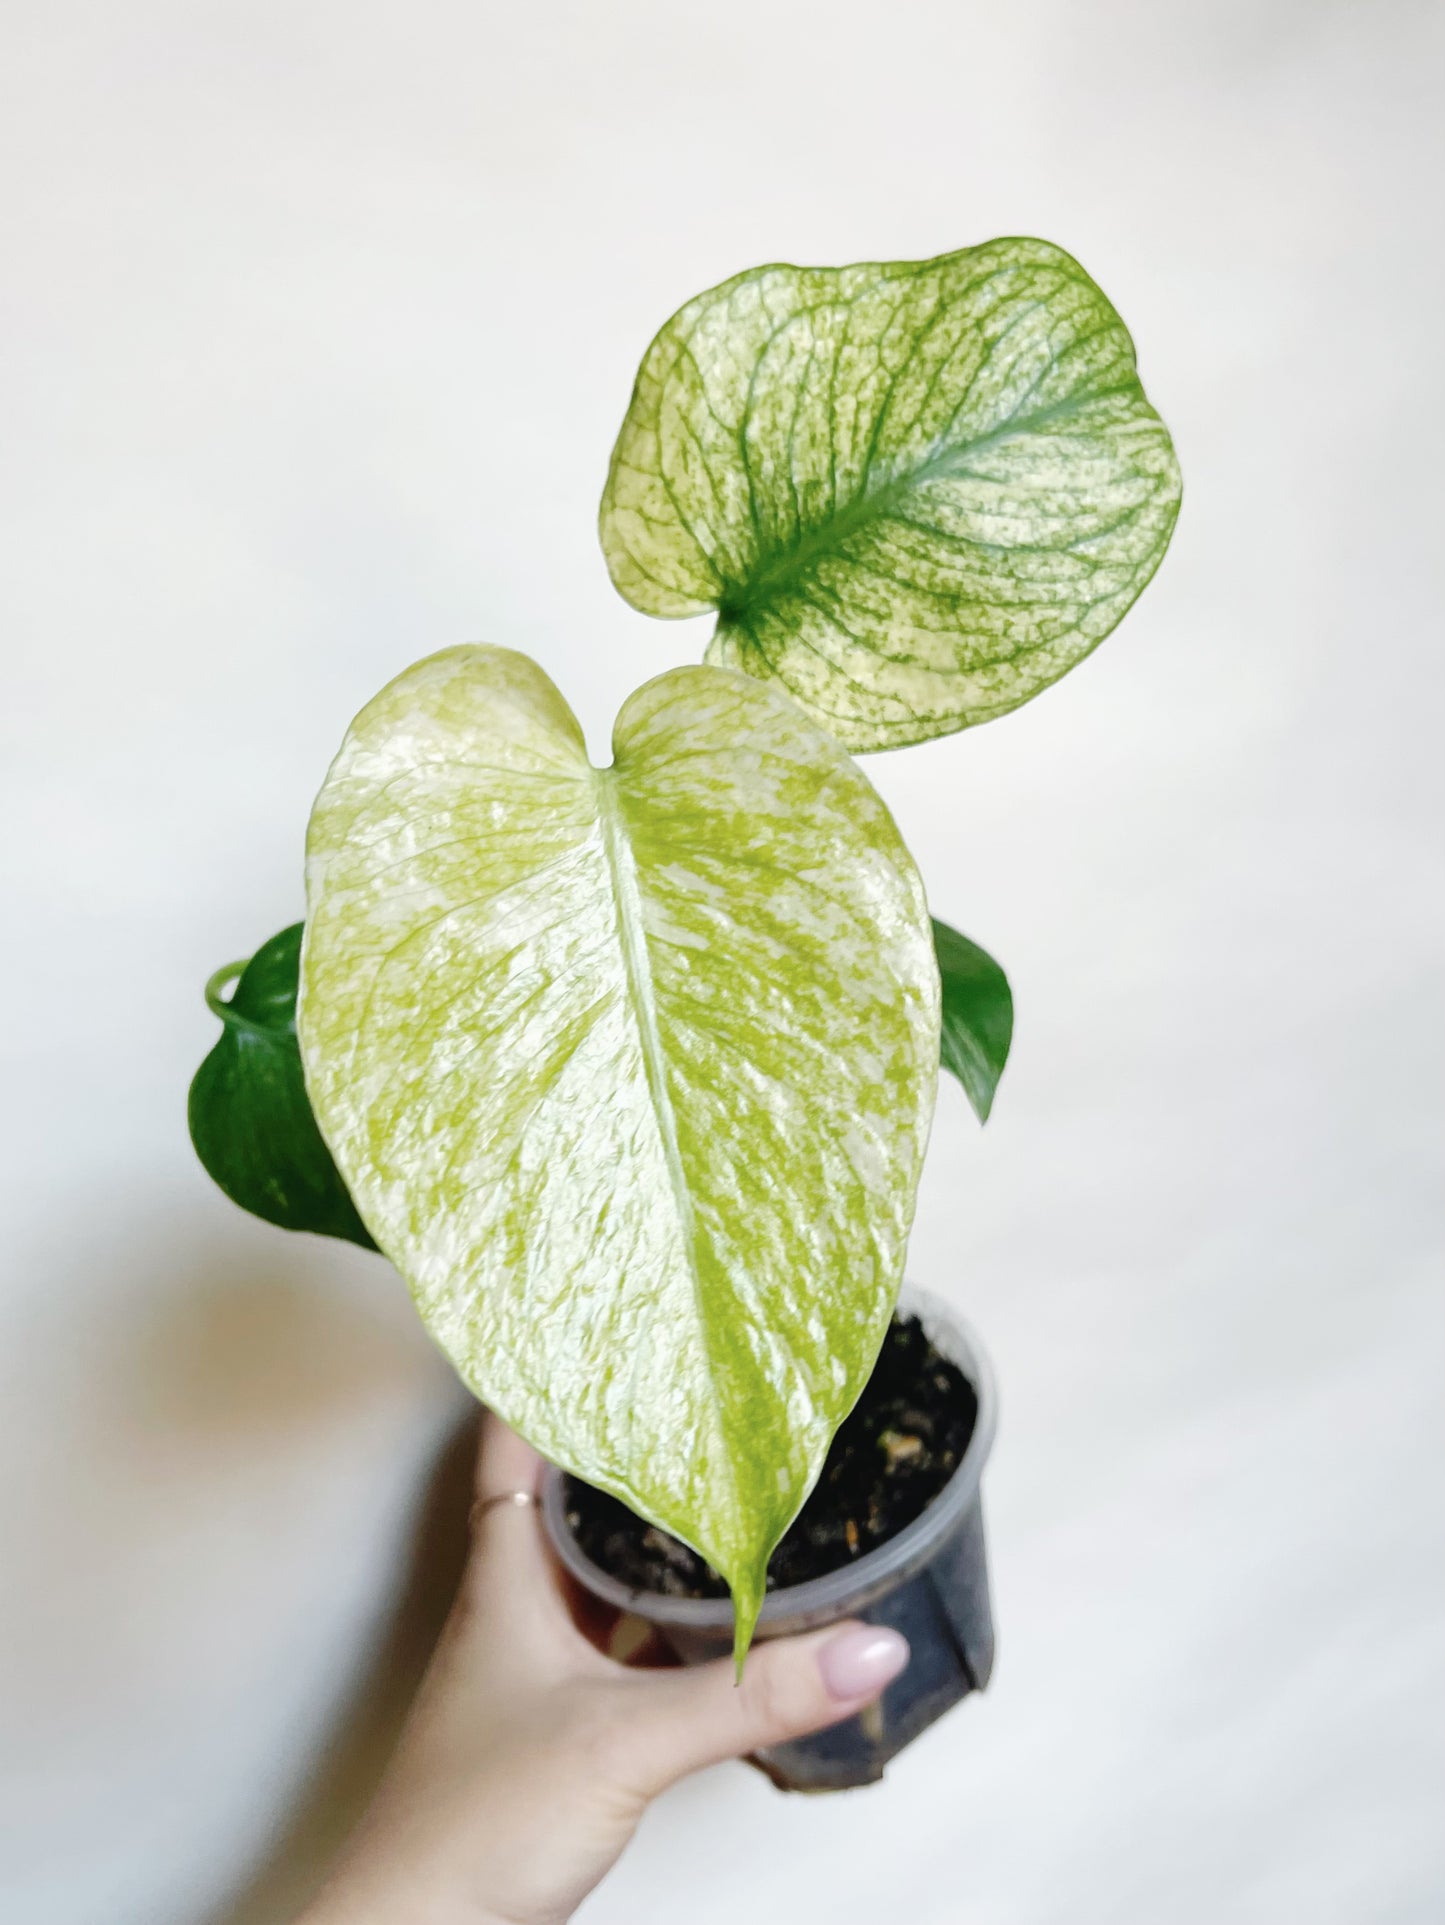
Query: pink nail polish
x,y
858,1663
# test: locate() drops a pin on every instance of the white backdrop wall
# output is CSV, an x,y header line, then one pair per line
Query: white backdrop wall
x,y
318,322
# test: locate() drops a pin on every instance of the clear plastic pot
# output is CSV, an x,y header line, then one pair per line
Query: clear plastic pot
x,y
930,1582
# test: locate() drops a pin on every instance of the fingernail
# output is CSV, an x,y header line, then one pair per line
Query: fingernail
x,y
859,1662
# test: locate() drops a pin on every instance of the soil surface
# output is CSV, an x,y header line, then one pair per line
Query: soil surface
x,y
893,1455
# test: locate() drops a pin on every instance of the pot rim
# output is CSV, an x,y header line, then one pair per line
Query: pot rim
x,y
838,1593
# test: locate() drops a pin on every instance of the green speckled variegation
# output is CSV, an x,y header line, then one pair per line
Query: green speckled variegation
x,y
628,1070
917,493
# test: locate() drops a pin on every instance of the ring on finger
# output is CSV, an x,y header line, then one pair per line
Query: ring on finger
x,y
518,1499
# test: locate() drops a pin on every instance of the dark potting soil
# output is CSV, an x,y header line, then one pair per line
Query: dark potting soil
x,y
892,1456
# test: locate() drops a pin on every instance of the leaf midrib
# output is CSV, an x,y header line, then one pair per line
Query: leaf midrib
x,y
642,996
874,503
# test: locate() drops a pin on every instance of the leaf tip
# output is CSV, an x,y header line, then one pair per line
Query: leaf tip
x,y
747,1602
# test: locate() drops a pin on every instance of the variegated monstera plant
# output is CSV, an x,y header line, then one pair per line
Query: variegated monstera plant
x,y
629,1071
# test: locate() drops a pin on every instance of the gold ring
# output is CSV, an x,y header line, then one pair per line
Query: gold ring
x,y
484,1504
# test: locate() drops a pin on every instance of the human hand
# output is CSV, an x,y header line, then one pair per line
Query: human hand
x,y
529,1756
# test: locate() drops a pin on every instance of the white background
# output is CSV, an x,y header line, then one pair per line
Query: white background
x,y
319,320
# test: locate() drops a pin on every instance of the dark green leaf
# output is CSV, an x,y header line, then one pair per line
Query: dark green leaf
x,y
978,1015
250,1117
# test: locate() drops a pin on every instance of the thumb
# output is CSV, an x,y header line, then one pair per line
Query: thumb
x,y
790,1686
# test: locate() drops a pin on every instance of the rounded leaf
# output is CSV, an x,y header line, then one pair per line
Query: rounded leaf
x,y
629,1070
250,1121
917,492
978,1016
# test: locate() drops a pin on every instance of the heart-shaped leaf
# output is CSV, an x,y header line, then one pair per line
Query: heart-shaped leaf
x,y
250,1119
916,492
630,1070
289,1169
978,1015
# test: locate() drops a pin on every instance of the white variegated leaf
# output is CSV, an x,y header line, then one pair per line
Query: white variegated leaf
x,y
628,1070
916,492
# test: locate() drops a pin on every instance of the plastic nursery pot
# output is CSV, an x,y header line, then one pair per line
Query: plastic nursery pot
x,y
930,1582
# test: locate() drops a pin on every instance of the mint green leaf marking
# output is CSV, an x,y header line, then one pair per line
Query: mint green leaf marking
x,y
978,1015
250,1120
916,493
630,1070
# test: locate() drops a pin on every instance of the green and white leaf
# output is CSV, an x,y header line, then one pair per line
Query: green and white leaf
x,y
630,1070
978,1016
917,493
